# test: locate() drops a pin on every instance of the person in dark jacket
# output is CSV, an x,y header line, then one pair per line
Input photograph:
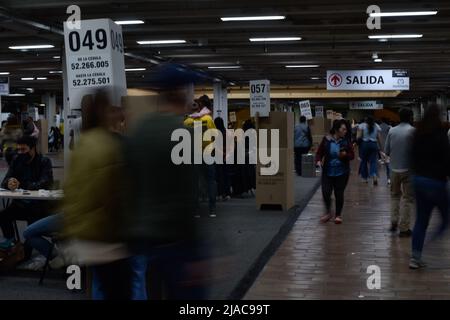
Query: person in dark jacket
x,y
302,143
29,171
431,168
334,155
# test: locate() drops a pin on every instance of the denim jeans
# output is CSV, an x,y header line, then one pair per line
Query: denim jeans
x,y
369,153
135,272
430,193
35,233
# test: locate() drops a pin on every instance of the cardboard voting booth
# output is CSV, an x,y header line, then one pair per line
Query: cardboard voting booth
x,y
278,189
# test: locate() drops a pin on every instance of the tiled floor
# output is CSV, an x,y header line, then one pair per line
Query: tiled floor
x,y
330,261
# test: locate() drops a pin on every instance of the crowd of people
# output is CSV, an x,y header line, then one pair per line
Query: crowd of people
x,y
127,208
417,161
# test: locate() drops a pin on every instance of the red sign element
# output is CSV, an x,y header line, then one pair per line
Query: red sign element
x,y
335,79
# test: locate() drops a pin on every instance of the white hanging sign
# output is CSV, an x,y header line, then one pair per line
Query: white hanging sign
x,y
305,109
260,98
95,60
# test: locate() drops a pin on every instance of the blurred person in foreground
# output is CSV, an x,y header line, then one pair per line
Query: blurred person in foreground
x,y
162,198
430,165
92,204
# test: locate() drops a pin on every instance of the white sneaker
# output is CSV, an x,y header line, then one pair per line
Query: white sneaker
x,y
389,182
35,264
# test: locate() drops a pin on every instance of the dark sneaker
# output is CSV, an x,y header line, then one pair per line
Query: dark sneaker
x,y
393,227
416,264
405,234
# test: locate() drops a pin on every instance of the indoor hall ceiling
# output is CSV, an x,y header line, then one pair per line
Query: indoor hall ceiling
x,y
334,36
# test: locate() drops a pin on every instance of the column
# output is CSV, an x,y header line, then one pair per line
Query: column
x,y
49,99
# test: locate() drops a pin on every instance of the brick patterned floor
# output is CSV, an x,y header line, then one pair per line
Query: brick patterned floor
x,y
330,261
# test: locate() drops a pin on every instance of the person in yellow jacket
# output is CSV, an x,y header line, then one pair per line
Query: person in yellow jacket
x,y
92,202
202,108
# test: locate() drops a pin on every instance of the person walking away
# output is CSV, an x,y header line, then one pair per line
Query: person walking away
x,y
369,132
302,143
334,155
398,148
385,128
223,179
207,172
92,203
430,165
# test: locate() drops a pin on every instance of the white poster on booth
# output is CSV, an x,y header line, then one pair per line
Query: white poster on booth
x,y
367,80
95,60
4,86
365,105
305,109
319,112
260,98
220,109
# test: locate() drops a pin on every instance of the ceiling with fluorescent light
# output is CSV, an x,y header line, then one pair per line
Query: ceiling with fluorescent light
x,y
334,36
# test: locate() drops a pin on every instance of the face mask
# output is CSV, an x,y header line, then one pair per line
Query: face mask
x,y
26,157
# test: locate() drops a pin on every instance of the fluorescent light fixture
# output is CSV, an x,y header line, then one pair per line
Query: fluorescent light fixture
x,y
254,18
397,36
33,46
378,60
56,57
224,67
275,39
161,41
232,84
129,22
30,89
42,104
55,72
16,95
315,78
403,14
26,79
4,73
41,78
135,69
383,40
303,66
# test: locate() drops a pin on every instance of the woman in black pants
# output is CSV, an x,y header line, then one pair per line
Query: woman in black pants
x,y
334,155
